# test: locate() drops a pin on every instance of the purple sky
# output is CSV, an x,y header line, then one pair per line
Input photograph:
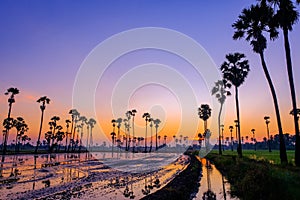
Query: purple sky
x,y
43,43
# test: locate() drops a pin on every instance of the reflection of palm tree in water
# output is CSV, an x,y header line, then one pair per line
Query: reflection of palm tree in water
x,y
207,135
209,194
223,184
146,191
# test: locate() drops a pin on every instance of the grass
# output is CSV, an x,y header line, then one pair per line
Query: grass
x,y
261,155
254,179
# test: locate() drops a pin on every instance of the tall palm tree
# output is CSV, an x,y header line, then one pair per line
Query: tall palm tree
x,y
251,25
126,124
151,133
133,112
156,123
53,126
204,112
219,90
235,71
254,140
158,137
83,121
75,115
119,122
113,133
60,135
43,100
231,128
147,118
284,18
12,92
92,123
267,120
21,128
67,133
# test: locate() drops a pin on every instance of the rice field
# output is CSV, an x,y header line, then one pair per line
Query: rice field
x,y
273,157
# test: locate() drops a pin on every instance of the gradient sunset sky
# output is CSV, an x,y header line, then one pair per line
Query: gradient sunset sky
x,y
43,44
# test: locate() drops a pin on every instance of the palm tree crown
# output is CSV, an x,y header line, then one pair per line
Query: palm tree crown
x,y
252,23
235,69
204,112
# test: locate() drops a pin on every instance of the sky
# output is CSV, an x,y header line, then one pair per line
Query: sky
x,y
44,44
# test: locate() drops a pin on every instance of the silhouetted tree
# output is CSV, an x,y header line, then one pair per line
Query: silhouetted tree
x,y
83,121
235,71
231,142
21,128
204,112
12,92
156,123
75,116
267,120
43,100
254,140
147,118
219,90
252,24
285,17
91,123
67,133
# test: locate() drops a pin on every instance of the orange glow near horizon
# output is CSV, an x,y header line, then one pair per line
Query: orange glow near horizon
x,y
27,107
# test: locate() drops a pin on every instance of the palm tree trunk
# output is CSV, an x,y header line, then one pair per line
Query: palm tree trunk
x,y
219,124
156,138
40,132
282,148
293,94
239,149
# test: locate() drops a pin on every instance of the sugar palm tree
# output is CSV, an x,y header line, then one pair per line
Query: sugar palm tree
x,y
92,123
231,128
21,128
156,123
235,70
83,121
158,137
54,127
297,112
60,135
254,140
67,133
43,100
133,112
75,115
204,112
113,133
285,17
119,122
267,120
12,92
151,133
126,124
147,118
251,25
219,90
